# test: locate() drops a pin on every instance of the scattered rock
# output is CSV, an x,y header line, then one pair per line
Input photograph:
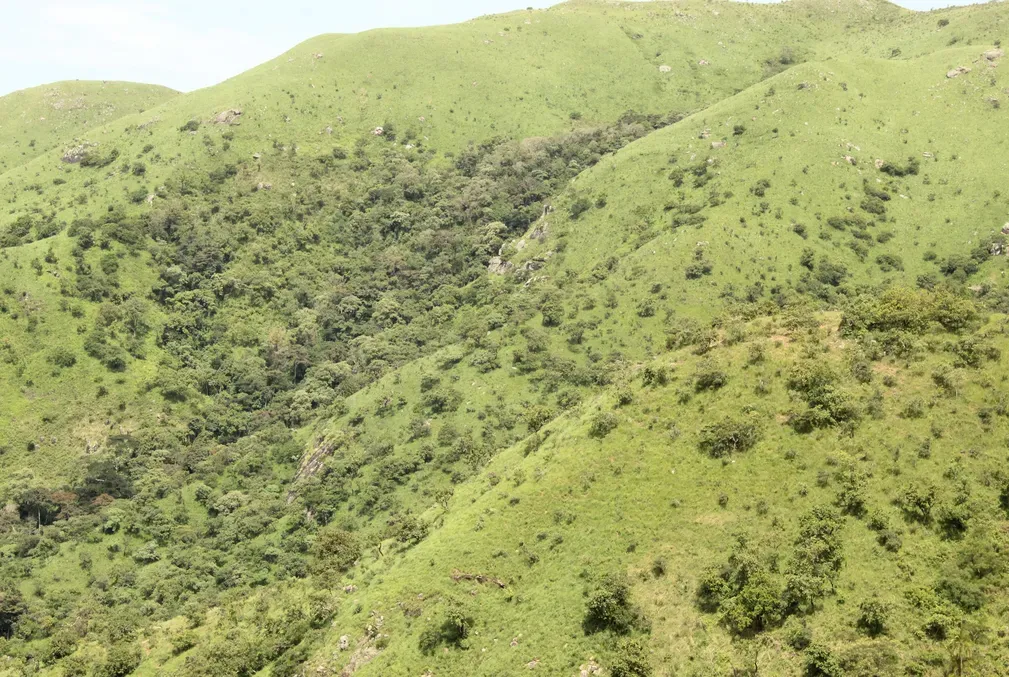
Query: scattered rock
x,y
995,249
718,144
344,643
533,664
228,117
75,154
958,71
703,62
531,265
328,129
150,198
539,233
665,69
705,133
589,669
993,54
350,589
263,185
479,578
317,55
1005,229
879,163
850,159
520,245
378,131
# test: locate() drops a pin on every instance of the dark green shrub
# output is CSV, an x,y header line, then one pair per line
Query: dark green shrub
x,y
731,435
872,617
602,424
610,607
631,659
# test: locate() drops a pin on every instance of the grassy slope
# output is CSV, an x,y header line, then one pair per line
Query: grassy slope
x,y
593,58
44,119
517,75
868,110
641,494
603,483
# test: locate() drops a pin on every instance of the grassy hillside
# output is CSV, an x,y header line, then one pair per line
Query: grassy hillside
x,y
44,119
526,382
770,185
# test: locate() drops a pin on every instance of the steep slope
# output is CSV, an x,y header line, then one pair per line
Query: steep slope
x,y
593,60
762,194
516,75
649,395
44,119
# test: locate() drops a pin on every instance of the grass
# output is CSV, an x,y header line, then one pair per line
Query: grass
x,y
40,120
565,443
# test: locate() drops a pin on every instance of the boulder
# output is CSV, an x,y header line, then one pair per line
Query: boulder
x,y
718,144
665,69
1005,229
993,54
228,117
958,71
498,266
344,643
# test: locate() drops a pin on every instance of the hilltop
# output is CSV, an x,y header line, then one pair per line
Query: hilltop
x,y
614,339
38,120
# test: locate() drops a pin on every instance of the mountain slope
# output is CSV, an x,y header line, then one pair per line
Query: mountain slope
x,y
42,119
713,387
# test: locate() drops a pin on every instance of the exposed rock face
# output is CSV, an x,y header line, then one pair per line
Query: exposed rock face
x,y
498,266
228,117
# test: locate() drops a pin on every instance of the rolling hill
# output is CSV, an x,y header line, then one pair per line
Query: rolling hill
x,y
612,339
39,120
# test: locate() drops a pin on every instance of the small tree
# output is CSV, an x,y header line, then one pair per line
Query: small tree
x,y
872,617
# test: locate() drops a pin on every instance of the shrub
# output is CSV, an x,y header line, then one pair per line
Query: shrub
x,y
872,617
579,207
631,659
916,501
821,662
709,377
602,424
893,169
62,357
728,436
190,126
336,548
610,607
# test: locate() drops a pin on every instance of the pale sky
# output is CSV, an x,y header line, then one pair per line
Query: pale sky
x,y
188,44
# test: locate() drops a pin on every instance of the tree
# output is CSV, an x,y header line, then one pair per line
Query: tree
x,y
12,607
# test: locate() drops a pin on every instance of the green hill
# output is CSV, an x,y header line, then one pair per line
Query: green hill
x,y
645,339
44,119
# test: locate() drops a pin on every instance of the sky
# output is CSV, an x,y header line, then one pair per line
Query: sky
x,y
188,44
